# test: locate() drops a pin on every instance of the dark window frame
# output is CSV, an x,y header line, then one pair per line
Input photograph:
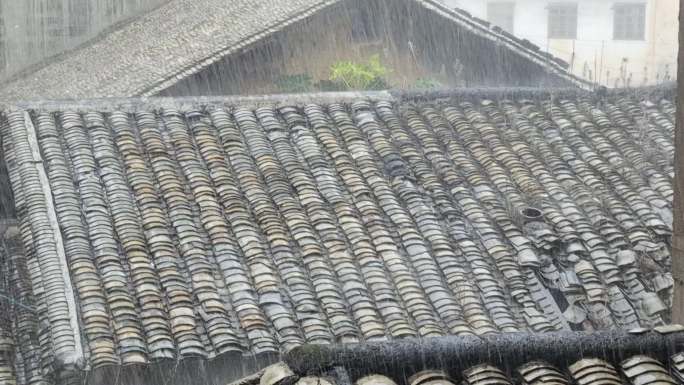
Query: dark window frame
x,y
491,10
562,20
629,21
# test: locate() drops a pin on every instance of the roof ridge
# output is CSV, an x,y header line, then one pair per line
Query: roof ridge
x,y
190,102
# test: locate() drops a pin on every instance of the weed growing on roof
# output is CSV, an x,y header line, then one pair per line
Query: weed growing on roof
x,y
427,84
296,83
369,75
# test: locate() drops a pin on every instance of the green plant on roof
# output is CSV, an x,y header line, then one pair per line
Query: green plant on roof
x,y
295,83
369,75
427,84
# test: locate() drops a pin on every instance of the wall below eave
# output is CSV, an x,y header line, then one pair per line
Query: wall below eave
x,y
414,44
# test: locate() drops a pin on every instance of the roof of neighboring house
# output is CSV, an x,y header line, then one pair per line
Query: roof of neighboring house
x,y
250,226
182,37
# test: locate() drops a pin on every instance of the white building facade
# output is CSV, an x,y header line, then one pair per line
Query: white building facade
x,y
613,43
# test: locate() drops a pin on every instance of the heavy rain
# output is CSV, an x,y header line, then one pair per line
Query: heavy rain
x,y
341,192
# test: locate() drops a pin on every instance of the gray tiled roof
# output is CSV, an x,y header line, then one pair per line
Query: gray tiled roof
x,y
182,37
205,230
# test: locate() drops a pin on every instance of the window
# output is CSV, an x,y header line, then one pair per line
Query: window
x,y
629,22
500,13
563,21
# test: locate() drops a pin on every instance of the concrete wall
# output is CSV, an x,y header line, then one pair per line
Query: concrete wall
x,y
595,55
678,221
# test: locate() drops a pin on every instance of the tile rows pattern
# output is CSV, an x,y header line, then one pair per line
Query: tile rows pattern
x,y
7,349
21,358
43,333
210,231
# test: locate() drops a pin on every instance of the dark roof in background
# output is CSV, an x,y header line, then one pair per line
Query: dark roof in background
x,y
268,224
180,38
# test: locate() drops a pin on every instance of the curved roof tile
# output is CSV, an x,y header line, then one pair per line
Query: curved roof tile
x,y
214,228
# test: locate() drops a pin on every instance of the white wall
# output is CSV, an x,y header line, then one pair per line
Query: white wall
x,y
594,54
